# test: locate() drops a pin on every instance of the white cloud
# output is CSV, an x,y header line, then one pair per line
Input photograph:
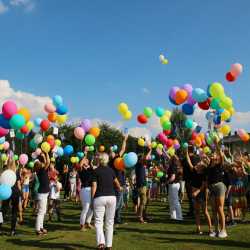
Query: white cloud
x,y
145,91
28,5
3,8
23,99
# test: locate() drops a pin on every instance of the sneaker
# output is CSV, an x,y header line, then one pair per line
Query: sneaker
x,y
222,234
212,234
13,233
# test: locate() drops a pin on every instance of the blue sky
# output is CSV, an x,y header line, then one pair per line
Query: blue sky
x,y
98,53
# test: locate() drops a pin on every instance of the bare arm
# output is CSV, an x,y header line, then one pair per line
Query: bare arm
x,y
191,166
117,185
93,189
124,144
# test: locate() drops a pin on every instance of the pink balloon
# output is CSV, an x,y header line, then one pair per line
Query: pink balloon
x,y
236,69
241,132
6,145
79,133
38,151
3,132
9,109
49,108
173,91
23,159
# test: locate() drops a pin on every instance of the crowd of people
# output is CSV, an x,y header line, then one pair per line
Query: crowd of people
x,y
204,180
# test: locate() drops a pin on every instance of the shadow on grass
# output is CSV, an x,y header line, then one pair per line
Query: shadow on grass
x,y
47,245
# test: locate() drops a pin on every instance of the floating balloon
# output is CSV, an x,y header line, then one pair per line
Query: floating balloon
x,y
68,150
205,105
130,159
225,130
89,140
25,113
230,77
160,174
38,122
236,69
141,142
181,96
148,112
95,132
199,95
52,117
79,133
61,119
226,102
38,138
159,111
23,159
60,151
166,125
86,125
119,164
9,109
57,100
142,119
5,192
172,92
3,132
122,108
4,122
187,109
62,110
8,177
128,115
17,121
2,140
216,90
49,108
44,125
215,103
45,147
189,88
24,129
225,115
189,123
6,145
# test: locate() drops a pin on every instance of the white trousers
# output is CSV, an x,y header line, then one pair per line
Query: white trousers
x,y
73,189
104,206
42,209
174,203
87,212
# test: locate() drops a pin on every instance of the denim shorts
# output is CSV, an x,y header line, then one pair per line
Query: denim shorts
x,y
26,188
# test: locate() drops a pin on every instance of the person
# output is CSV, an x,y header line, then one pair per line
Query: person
x,y
104,201
73,181
126,194
85,175
41,167
65,182
215,176
34,193
173,189
25,177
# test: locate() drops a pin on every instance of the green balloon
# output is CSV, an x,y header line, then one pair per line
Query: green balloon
x,y
17,121
31,164
4,157
90,140
148,112
32,144
166,125
19,135
215,104
15,157
160,174
91,148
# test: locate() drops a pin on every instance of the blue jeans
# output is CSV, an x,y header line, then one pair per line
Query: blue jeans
x,y
119,206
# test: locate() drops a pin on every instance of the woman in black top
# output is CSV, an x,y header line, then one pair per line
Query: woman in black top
x,y
85,175
41,168
199,192
103,193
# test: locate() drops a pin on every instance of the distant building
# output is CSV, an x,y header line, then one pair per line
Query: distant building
x,y
234,142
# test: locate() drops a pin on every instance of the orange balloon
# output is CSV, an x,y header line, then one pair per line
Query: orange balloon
x,y
198,141
25,113
95,132
119,164
52,117
102,148
202,136
181,96
50,137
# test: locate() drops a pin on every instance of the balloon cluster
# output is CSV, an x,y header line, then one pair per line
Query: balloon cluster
x,y
129,160
235,71
162,59
244,136
7,181
124,111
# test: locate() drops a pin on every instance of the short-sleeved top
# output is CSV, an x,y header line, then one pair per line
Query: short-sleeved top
x,y
43,178
172,170
104,177
215,174
15,190
86,175
140,173
197,179
187,173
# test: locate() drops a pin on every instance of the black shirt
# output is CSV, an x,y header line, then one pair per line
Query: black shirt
x,y
172,170
104,177
197,179
43,178
140,173
16,192
86,176
187,173
215,174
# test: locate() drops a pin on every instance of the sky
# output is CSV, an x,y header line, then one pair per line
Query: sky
x,y
99,53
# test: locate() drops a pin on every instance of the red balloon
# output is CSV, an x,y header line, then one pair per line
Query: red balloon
x,y
230,77
51,142
167,132
169,143
205,105
45,124
24,129
194,135
142,119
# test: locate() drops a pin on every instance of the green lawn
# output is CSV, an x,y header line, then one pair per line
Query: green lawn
x,y
160,234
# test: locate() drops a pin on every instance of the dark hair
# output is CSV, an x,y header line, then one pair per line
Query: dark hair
x,y
41,159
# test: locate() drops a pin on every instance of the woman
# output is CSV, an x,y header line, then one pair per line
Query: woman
x,y
73,181
215,177
26,174
85,175
103,193
41,167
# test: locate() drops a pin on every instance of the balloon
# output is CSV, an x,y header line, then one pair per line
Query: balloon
x,y
17,121
38,151
160,174
205,105
189,88
128,115
49,108
6,145
51,142
166,125
91,148
171,151
122,108
217,119
45,124
62,110
216,90
226,102
2,140
57,100
189,123
90,140
25,113
8,177
191,101
169,143
5,192
198,129
153,144
58,142
38,138
236,69
4,122
215,103
60,151
167,132
101,148
119,164
95,132
32,144
52,117
225,115
148,112
19,135
160,146
115,148
142,119
230,77
4,157
9,109
15,157
79,133
159,111
181,96
172,100
207,150
199,95
31,164
30,125
38,122
80,155
173,91
68,150
161,57
130,159
141,142
24,129
23,159
185,145
225,130
86,125
61,119
3,132
45,147
187,109
163,119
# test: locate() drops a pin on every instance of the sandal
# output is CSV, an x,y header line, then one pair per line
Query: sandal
x,y
44,231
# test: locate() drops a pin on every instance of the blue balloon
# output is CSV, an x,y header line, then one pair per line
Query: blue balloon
x,y
199,95
217,119
209,115
38,121
68,150
189,123
80,154
57,100
152,157
208,92
115,148
60,151
5,192
130,159
198,129
4,122
219,111
62,110
159,111
187,109
172,100
2,140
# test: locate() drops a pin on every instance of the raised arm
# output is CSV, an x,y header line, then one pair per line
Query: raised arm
x,y
124,144
191,166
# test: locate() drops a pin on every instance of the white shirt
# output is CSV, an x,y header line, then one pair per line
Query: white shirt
x,y
54,193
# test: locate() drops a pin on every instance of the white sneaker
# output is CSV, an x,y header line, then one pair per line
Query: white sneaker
x,y
222,234
212,234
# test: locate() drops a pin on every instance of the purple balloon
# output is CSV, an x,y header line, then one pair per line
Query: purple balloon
x,y
173,91
191,101
86,125
188,87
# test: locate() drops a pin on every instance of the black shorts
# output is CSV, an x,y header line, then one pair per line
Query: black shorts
x,y
229,201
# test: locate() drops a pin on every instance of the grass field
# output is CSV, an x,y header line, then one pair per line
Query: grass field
x,y
160,234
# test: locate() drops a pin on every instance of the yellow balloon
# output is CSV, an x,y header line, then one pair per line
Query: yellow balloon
x,y
164,61
225,129
45,147
171,151
73,159
58,142
61,119
216,90
225,115
163,119
141,142
231,110
25,113
206,150
30,125
153,144
168,113
1,146
122,108
226,102
128,115
160,146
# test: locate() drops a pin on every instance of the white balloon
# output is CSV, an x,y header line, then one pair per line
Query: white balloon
x,y
161,58
38,138
8,177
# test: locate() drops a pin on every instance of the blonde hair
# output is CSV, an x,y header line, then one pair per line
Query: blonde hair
x,y
104,159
